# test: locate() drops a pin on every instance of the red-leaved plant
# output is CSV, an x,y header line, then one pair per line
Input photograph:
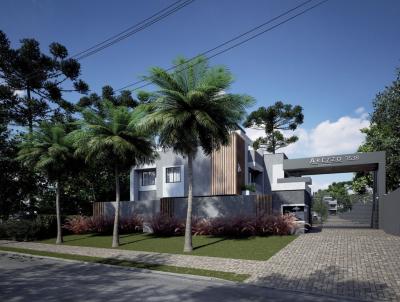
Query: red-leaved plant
x,y
267,225
102,225
78,224
164,225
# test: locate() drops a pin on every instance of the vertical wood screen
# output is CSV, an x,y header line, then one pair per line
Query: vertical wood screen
x,y
225,163
167,206
98,209
263,205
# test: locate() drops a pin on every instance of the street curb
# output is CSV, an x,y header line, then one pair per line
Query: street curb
x,y
134,269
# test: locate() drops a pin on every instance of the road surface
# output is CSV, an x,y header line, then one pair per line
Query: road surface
x,y
26,278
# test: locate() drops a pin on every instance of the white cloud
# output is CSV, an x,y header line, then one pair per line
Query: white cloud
x,y
328,137
361,112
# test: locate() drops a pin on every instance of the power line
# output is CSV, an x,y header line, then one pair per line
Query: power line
x,y
156,17
124,31
236,38
136,30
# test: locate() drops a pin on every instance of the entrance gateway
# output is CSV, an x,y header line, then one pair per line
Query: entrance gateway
x,y
356,162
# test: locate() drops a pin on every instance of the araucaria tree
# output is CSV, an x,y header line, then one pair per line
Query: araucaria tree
x,y
42,78
48,151
191,109
113,138
273,120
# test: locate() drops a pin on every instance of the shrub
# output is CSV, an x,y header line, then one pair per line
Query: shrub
x,y
47,226
201,226
275,225
236,226
78,224
21,229
102,225
132,224
242,226
163,225
25,229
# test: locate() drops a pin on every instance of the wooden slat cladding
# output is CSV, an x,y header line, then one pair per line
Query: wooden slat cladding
x,y
226,177
98,209
263,205
167,206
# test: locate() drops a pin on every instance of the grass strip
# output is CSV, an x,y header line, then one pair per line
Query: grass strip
x,y
249,248
127,263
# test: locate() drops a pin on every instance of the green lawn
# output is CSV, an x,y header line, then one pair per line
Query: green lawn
x,y
125,263
252,248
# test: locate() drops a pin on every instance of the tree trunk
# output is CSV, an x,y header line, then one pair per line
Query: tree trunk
x,y
59,231
30,115
273,143
30,128
188,230
115,242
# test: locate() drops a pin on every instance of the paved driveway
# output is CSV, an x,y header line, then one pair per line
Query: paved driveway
x,y
360,263
24,278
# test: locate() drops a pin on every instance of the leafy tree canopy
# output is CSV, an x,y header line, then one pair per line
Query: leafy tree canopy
x,y
192,107
273,120
94,101
384,135
40,79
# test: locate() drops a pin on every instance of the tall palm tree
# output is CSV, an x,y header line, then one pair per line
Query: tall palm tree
x,y
191,109
47,150
114,139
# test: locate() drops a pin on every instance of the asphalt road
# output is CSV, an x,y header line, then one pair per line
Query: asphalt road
x,y
25,278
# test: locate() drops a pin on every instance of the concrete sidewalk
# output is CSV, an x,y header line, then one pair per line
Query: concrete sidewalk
x,y
210,263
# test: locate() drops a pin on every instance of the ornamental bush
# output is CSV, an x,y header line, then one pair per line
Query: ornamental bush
x,y
245,226
43,226
164,225
103,225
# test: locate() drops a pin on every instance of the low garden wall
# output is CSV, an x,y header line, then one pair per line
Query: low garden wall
x,y
389,212
203,207
145,208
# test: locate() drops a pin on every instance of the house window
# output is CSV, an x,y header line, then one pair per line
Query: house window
x,y
149,178
173,174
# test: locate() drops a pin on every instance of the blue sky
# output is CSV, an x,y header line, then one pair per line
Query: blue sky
x,y
332,60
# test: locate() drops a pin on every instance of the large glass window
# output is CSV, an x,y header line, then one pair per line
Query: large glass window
x,y
173,174
148,178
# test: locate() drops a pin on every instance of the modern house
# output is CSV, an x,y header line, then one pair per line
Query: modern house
x,y
224,174
332,204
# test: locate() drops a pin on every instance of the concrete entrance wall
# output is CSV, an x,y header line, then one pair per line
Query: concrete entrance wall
x,y
389,212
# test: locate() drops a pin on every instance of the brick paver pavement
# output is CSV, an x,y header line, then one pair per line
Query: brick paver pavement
x,y
359,263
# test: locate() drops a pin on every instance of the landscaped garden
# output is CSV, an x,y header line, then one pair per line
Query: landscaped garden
x,y
252,248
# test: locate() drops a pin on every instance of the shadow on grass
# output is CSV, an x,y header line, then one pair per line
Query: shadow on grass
x,y
148,237
210,243
84,237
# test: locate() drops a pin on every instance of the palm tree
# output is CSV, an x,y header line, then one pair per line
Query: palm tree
x,y
48,151
112,138
190,110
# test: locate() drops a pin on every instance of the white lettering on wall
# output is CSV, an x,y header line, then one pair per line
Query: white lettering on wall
x,y
332,159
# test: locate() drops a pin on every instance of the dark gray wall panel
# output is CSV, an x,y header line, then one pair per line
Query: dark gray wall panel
x,y
389,213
